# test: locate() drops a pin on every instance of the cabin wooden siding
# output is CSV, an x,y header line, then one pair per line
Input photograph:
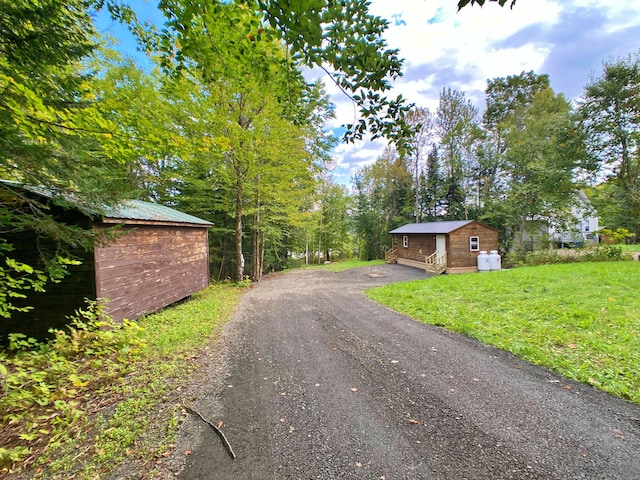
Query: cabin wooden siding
x,y
459,254
149,267
419,246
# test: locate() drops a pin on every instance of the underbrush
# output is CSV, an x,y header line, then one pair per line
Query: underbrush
x,y
100,392
48,388
601,253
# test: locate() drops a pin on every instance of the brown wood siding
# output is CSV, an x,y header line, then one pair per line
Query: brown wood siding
x,y
420,246
458,252
150,267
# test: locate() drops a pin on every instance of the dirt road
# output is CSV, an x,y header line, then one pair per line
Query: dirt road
x,y
318,382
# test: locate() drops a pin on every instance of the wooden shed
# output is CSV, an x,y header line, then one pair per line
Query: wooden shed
x,y
440,247
157,257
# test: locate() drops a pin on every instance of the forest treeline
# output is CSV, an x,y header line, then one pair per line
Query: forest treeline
x,y
224,126
520,163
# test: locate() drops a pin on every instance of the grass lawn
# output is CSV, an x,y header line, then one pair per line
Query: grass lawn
x,y
343,265
630,248
581,320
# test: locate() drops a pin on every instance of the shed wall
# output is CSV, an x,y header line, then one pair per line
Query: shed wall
x,y
61,299
150,267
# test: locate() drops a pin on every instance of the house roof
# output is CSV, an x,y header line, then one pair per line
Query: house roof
x,y
431,227
129,210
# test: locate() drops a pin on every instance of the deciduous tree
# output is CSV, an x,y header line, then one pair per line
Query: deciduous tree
x,y
610,116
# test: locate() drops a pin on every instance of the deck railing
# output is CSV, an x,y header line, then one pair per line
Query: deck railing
x,y
436,263
391,256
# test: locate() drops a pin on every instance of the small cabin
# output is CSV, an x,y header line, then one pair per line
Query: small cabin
x,y
155,257
442,247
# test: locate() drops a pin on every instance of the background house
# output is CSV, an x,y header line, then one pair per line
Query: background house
x,y
583,229
157,257
451,247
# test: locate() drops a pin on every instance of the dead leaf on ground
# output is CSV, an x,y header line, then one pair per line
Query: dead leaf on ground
x,y
219,424
354,389
618,434
187,453
414,421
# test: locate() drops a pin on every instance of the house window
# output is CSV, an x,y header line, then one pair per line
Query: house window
x,y
405,241
474,244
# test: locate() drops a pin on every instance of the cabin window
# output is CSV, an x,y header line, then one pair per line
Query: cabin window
x,y
405,241
474,244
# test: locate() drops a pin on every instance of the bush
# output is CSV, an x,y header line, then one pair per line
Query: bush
x,y
601,253
45,385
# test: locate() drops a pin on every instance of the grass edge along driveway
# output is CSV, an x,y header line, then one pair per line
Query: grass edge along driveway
x,y
581,320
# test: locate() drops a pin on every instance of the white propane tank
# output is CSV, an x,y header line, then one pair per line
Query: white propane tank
x,y
484,262
494,260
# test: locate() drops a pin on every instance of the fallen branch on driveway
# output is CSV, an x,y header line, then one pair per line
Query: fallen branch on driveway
x,y
215,428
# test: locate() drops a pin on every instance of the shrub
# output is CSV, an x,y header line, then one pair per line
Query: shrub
x,y
45,385
601,253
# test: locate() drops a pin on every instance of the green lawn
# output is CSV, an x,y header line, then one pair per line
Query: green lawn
x,y
581,320
343,265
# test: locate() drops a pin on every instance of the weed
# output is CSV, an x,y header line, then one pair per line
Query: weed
x,y
81,402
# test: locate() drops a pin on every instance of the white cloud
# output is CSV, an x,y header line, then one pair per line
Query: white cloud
x,y
442,48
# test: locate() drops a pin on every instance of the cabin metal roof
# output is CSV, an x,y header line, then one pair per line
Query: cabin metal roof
x,y
151,212
129,211
431,227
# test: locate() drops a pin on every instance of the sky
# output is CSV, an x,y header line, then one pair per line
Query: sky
x,y
567,39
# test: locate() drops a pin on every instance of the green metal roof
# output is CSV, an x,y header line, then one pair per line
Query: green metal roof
x,y
147,211
127,210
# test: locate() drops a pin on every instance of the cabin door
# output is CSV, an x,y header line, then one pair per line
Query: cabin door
x,y
441,246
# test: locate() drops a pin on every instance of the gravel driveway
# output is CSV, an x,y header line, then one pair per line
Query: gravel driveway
x,y
318,382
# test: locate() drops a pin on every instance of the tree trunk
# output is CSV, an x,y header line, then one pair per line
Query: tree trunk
x,y
256,272
238,224
261,253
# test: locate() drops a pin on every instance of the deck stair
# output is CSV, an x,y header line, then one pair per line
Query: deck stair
x,y
436,263
391,256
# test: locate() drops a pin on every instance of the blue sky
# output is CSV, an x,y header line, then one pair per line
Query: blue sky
x,y
566,39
